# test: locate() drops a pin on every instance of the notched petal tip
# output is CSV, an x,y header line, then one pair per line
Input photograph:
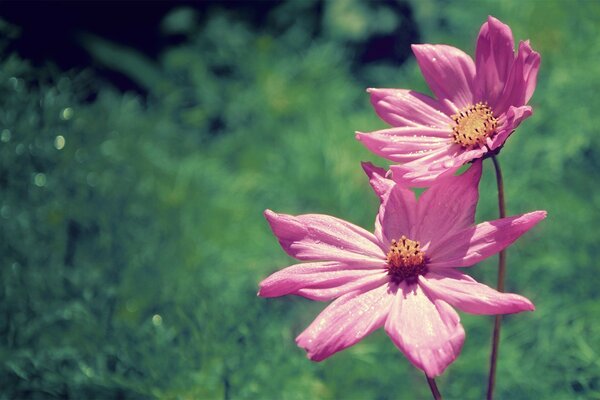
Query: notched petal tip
x,y
268,292
493,20
380,92
531,306
534,216
499,28
261,289
269,214
543,212
371,169
521,304
378,179
272,218
312,355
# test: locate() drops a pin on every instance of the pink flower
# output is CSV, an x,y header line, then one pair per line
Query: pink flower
x,y
477,106
403,276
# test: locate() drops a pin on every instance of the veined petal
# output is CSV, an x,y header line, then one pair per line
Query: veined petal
x,y
406,144
510,121
466,294
471,245
345,322
531,66
399,107
426,170
448,206
377,178
363,284
396,216
426,330
521,80
316,237
494,57
320,280
449,72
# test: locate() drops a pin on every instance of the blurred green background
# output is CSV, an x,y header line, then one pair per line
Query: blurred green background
x,y
132,237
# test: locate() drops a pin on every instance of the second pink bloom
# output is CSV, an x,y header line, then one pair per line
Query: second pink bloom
x,y
402,277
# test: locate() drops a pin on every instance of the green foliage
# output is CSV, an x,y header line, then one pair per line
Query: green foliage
x,y
132,238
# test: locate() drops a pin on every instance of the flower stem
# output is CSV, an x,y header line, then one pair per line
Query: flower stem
x,y
500,286
434,389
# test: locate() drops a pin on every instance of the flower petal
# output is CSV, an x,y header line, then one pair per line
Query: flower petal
x,y
396,216
377,178
406,144
345,322
426,330
320,280
423,172
316,237
494,57
522,79
329,293
449,72
471,245
400,107
512,119
466,294
448,206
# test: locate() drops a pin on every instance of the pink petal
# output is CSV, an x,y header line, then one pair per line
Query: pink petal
x,y
377,178
493,58
479,242
406,144
521,80
512,119
399,107
423,172
345,322
531,61
396,216
315,237
466,294
426,330
320,280
449,72
330,293
448,206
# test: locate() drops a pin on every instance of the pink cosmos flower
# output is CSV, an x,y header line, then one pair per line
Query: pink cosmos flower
x,y
477,106
402,277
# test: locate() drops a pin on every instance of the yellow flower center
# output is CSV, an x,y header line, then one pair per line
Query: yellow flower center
x,y
405,260
473,124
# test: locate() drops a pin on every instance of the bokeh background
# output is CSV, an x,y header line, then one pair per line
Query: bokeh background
x,y
140,144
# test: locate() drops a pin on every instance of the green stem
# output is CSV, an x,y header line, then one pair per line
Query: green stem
x,y
434,389
500,286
